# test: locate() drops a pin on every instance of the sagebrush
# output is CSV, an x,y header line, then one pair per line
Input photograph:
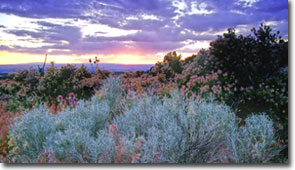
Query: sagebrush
x,y
112,128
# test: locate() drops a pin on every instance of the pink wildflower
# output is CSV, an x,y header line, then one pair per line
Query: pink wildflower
x,y
59,98
71,100
71,95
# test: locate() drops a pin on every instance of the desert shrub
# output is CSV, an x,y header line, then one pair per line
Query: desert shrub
x,y
173,130
173,61
114,128
170,66
209,128
274,91
70,133
112,92
250,59
78,134
29,132
57,82
103,74
255,63
5,119
254,142
29,88
271,97
149,120
65,80
82,87
22,90
199,78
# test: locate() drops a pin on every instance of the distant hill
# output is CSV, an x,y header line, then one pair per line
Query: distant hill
x,y
104,66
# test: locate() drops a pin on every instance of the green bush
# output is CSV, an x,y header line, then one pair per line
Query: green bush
x,y
250,59
62,81
29,88
254,143
258,67
147,129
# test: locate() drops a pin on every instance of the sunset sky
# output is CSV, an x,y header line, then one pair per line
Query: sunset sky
x,y
125,31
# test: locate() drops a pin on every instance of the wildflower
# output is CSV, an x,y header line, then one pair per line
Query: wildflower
x,y
77,103
63,100
100,95
71,95
225,74
59,98
136,156
138,144
156,157
10,142
113,127
71,100
15,150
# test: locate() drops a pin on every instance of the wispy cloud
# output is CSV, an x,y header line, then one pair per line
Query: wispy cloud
x,y
145,27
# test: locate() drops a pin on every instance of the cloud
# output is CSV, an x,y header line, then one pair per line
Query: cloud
x,y
142,27
229,13
4,47
44,8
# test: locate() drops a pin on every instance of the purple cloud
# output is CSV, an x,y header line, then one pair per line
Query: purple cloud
x,y
161,25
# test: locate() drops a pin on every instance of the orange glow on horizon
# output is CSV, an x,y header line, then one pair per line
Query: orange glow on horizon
x,y
23,58
127,59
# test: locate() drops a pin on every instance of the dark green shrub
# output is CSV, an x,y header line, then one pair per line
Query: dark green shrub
x,y
173,61
63,81
250,59
259,65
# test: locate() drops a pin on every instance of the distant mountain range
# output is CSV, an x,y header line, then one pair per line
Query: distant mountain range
x,y
105,66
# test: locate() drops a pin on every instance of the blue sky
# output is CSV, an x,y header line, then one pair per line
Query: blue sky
x,y
125,31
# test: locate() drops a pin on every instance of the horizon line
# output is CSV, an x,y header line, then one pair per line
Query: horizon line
x,y
72,63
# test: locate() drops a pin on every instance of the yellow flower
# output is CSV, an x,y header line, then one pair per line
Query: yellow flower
x,y
10,142
100,95
15,150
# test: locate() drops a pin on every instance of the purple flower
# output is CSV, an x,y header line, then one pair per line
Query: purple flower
x,y
77,103
71,100
63,100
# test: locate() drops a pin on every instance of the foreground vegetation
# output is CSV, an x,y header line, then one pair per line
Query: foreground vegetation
x,y
113,128
196,110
